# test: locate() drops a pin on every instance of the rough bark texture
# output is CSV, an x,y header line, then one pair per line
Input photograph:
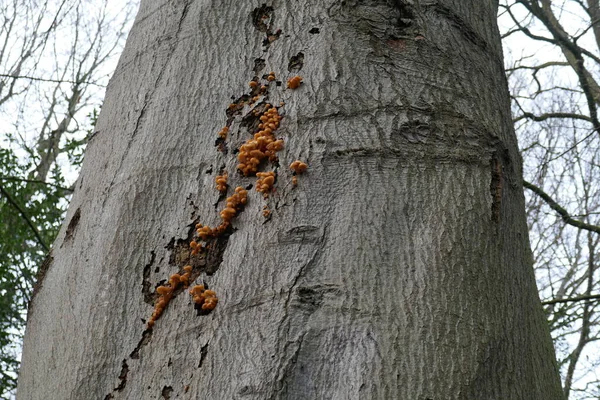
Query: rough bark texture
x,y
399,266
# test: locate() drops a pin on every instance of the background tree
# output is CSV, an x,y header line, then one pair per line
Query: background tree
x,y
553,74
55,59
397,267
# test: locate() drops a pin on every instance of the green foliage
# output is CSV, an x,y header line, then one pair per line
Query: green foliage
x,y
31,213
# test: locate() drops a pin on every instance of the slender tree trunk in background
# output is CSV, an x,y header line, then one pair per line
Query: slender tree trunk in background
x,y
399,266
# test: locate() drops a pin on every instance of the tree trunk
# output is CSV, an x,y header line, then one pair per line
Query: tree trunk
x,y
398,267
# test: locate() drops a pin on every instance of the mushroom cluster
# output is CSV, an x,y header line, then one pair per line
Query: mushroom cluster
x,y
165,293
234,205
221,181
265,182
298,167
204,299
196,247
263,145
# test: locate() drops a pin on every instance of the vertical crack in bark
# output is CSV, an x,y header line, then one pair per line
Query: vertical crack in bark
x,y
72,225
208,262
146,286
122,379
123,376
496,187
146,336
203,354
39,278
184,13
180,250
173,47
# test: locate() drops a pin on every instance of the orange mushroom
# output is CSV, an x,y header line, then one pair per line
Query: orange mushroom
x,y
298,166
294,83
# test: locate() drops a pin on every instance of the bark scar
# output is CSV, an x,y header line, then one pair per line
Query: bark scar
x,y
203,353
73,224
459,22
296,62
146,285
262,19
39,278
122,379
496,187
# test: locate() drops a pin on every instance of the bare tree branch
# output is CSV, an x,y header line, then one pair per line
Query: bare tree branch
x,y
572,299
50,80
14,178
545,116
561,211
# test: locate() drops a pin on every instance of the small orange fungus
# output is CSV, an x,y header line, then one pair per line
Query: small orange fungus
x,y
294,83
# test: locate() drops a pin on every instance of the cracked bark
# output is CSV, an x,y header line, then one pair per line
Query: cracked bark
x,y
381,275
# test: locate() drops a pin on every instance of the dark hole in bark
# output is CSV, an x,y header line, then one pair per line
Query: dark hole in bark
x,y
260,15
203,353
73,224
296,62
259,65
406,14
166,392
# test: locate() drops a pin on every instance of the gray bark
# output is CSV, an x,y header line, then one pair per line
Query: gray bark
x,y
399,266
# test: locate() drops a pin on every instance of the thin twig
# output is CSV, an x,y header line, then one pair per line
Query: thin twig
x,y
25,217
14,178
33,78
561,211
572,299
